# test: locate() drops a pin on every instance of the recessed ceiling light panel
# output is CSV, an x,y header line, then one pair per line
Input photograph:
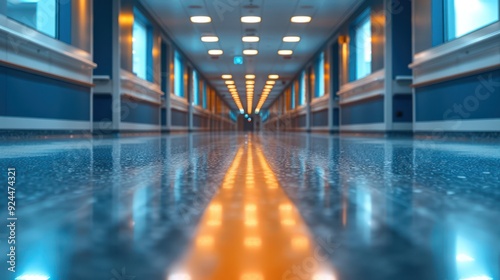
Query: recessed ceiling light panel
x,y
301,19
291,39
215,52
201,19
209,39
250,52
251,19
285,52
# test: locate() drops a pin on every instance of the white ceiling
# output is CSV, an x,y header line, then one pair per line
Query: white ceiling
x,y
226,24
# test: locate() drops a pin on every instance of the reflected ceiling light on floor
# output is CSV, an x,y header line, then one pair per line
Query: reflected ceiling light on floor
x,y
179,276
250,39
251,19
227,76
215,52
291,39
201,19
464,258
32,277
274,77
250,52
481,277
323,276
301,19
250,76
285,52
209,39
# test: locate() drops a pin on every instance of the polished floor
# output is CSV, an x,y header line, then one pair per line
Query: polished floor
x,y
254,207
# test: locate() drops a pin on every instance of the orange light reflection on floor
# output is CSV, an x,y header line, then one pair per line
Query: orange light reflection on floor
x,y
250,230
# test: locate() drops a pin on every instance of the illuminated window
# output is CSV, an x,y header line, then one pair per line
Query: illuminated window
x,y
465,16
292,97
320,76
363,47
40,15
196,88
178,75
205,104
302,88
140,49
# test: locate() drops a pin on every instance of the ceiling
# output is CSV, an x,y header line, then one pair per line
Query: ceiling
x,y
226,24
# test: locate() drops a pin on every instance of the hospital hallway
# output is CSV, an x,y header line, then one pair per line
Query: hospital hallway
x,y
256,206
249,139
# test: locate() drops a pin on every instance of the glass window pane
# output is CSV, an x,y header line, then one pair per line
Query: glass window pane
x,y
40,15
302,93
465,16
196,88
363,49
320,76
140,49
179,76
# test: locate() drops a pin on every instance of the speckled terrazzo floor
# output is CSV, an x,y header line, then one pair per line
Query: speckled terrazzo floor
x,y
377,208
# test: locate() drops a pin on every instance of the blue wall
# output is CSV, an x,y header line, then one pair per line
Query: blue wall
x,y
402,109
103,37
24,94
401,33
320,118
472,97
103,110
179,118
137,111
163,117
336,117
366,111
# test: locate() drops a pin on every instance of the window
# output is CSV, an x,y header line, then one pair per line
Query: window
x,y
196,88
320,76
363,47
40,15
302,90
140,49
179,75
292,97
204,89
465,16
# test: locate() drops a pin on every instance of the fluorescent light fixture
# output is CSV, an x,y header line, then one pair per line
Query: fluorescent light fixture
x,y
209,39
274,77
250,86
250,82
250,52
291,39
251,19
250,76
270,82
201,19
268,86
285,52
301,19
229,82
227,76
250,39
215,52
